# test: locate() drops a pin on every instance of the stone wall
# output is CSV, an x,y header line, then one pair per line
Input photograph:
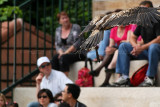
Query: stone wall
x,y
103,6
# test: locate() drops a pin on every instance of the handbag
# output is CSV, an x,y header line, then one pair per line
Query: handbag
x,y
84,78
139,76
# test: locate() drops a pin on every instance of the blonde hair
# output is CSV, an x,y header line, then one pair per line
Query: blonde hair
x,y
4,99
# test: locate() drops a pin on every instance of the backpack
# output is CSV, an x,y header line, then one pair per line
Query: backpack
x,y
138,76
84,78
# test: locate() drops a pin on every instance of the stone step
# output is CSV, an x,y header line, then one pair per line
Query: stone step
x,y
102,97
134,65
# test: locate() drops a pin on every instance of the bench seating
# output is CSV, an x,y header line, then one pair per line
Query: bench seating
x,y
134,65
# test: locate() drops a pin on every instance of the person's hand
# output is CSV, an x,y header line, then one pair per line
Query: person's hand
x,y
110,50
137,49
39,78
60,55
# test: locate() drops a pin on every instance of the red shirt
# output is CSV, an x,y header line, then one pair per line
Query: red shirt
x,y
114,36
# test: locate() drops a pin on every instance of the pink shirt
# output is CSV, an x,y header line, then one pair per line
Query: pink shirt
x,y
114,36
133,29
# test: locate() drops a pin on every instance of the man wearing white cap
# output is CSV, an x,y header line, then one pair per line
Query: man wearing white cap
x,y
48,78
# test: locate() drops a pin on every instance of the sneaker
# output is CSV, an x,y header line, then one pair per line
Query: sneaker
x,y
121,81
148,82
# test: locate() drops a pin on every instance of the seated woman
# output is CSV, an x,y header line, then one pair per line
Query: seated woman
x,y
45,98
118,34
66,42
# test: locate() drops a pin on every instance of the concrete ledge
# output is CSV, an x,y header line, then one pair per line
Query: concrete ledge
x,y
120,97
134,65
102,97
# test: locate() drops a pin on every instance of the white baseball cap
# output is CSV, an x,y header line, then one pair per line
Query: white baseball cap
x,y
41,60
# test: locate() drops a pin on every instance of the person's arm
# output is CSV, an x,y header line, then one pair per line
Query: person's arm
x,y
70,49
133,39
156,40
38,82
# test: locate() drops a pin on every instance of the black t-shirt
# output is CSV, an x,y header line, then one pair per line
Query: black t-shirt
x,y
148,33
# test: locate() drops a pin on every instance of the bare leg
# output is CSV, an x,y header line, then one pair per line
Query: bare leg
x,y
114,60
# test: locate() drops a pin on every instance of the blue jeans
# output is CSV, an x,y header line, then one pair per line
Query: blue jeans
x,y
33,104
152,55
103,44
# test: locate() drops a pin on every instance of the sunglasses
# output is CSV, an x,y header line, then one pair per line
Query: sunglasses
x,y
42,97
43,66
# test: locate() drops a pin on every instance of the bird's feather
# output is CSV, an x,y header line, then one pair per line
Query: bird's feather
x,y
139,15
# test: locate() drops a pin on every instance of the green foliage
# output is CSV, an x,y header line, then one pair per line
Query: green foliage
x,y
2,1
8,11
78,11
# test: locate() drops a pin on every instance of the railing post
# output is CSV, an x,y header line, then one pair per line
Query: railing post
x,y
44,26
60,5
14,57
0,50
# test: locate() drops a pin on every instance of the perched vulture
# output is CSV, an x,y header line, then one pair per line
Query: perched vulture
x,y
139,15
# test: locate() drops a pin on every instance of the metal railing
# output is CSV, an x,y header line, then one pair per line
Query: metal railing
x,y
20,50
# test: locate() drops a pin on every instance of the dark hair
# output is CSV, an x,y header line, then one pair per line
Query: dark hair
x,y
146,2
74,90
14,104
57,95
63,13
48,92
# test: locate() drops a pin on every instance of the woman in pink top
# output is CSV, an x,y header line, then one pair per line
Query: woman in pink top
x,y
118,34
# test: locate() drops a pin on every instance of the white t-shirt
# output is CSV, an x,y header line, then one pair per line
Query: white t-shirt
x,y
56,82
52,105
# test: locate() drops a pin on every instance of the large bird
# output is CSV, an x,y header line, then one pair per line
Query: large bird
x,y
139,15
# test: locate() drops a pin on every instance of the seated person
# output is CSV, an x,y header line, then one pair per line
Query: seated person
x,y
49,79
66,41
101,50
150,50
58,99
118,34
71,94
45,98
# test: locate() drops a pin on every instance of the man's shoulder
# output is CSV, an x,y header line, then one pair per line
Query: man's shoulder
x,y
57,72
81,104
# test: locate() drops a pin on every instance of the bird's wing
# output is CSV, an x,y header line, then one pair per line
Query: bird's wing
x,y
92,41
139,15
92,24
